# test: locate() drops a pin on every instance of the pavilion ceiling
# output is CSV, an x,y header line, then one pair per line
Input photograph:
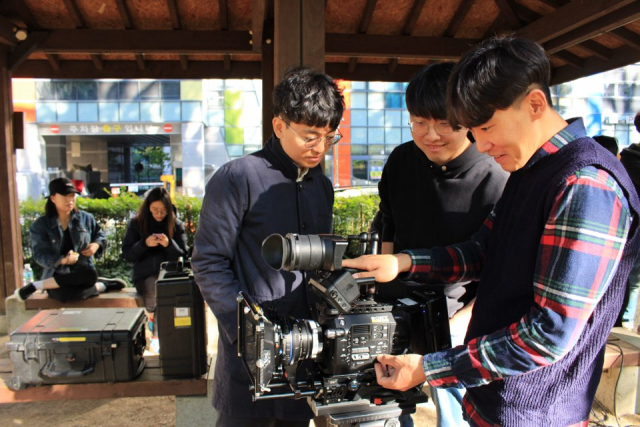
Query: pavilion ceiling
x,y
364,39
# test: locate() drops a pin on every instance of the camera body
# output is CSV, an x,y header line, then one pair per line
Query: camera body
x,y
330,359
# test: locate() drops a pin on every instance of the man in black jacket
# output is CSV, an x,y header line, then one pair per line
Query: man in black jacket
x,y
279,189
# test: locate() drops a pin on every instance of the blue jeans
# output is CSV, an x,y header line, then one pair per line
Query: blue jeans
x,y
406,420
448,403
633,291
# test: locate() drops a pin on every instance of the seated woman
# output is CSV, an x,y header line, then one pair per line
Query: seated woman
x,y
153,236
64,241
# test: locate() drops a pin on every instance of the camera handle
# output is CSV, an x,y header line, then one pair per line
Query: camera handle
x,y
368,241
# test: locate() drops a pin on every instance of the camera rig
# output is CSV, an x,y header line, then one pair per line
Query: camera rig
x,y
329,360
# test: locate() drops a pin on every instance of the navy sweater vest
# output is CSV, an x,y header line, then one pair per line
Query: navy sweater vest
x,y
562,393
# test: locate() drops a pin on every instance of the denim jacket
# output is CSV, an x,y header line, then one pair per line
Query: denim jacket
x,y
46,241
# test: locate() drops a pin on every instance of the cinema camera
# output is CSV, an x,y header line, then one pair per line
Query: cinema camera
x,y
330,360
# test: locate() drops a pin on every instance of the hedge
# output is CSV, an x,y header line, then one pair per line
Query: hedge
x,y
351,216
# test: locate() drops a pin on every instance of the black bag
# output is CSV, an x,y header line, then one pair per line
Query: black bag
x,y
82,345
180,319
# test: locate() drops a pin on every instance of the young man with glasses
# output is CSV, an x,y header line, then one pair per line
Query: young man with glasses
x,y
437,190
552,259
279,189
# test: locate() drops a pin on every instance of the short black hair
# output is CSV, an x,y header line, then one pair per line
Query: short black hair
x,y
426,92
636,121
608,142
308,96
494,75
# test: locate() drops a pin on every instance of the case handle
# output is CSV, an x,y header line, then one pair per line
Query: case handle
x,y
49,371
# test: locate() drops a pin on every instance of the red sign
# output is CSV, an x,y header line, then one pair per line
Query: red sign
x,y
54,129
167,127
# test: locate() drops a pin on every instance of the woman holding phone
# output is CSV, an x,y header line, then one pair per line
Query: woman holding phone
x,y
153,236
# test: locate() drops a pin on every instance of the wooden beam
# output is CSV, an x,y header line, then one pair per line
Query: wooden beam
x,y
258,16
24,49
616,19
367,16
365,20
339,44
555,3
227,62
569,17
458,17
267,70
8,32
24,13
97,61
223,14
507,11
146,41
353,62
287,36
54,61
621,57
392,65
130,70
596,49
173,14
184,62
140,61
372,72
74,12
312,34
125,15
10,236
413,16
627,37
570,58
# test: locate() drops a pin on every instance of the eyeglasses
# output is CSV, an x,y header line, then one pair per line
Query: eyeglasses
x,y
441,128
313,141
158,212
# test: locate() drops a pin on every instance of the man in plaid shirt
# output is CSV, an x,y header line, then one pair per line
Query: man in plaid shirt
x,y
552,258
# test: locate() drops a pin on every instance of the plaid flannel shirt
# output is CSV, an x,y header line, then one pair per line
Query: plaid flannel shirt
x,y
562,296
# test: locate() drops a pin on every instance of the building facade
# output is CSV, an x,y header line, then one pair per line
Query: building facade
x,y
135,133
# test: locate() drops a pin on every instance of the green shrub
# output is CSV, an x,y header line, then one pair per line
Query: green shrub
x,y
351,216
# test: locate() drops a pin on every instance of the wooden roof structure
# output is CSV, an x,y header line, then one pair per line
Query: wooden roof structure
x,y
386,40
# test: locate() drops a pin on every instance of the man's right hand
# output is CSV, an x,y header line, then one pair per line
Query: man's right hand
x,y
400,372
383,268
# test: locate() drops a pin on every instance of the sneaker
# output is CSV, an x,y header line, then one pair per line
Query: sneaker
x,y
113,284
25,292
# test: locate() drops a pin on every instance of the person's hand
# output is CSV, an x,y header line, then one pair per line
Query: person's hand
x,y
152,241
71,258
91,249
162,239
383,268
400,372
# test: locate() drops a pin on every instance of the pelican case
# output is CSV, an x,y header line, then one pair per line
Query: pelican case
x,y
83,345
180,318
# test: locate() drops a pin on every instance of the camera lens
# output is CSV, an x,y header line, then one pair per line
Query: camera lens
x,y
301,341
296,252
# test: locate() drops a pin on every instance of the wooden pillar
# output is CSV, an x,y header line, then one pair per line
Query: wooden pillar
x,y
10,238
267,81
298,35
